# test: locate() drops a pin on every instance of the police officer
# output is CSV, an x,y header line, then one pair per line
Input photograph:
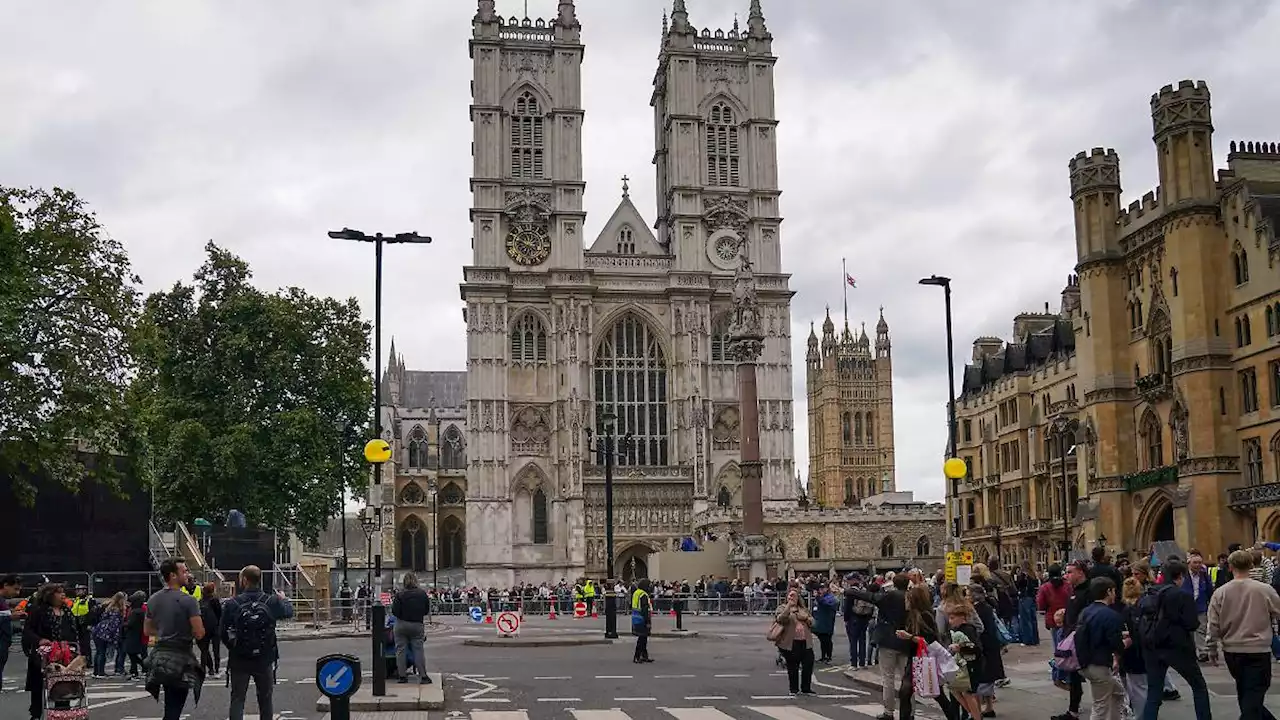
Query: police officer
x,y
589,595
641,620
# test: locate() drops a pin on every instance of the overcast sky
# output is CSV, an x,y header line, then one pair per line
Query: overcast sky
x,y
915,138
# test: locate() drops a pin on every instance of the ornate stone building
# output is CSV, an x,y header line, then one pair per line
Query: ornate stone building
x,y
1011,505
635,323
888,533
850,398
1176,325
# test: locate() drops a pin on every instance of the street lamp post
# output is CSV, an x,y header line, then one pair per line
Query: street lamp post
x,y
368,523
343,429
610,450
433,489
378,240
945,284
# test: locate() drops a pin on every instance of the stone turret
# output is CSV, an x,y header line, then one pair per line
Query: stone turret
x,y
1182,127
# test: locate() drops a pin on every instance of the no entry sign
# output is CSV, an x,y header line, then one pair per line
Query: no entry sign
x,y
508,624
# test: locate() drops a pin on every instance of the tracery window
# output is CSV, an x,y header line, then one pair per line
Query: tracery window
x,y
1240,264
418,455
720,339
723,150
528,340
630,374
540,533
1153,440
626,241
848,491
451,495
886,547
846,428
813,549
527,139
452,542
453,449
922,546
413,544
1252,461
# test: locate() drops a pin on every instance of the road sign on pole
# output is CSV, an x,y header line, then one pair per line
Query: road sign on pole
x,y
338,678
508,624
477,615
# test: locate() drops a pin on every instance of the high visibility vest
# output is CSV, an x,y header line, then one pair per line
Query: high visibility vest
x,y
80,608
589,590
577,592
196,594
1213,574
635,599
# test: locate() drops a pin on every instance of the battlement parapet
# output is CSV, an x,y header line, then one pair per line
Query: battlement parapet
x,y
1181,107
1256,149
1138,209
798,516
1099,169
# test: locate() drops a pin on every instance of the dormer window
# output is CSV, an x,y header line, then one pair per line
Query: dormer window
x,y
626,241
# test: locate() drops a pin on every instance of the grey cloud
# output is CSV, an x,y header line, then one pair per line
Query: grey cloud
x,y
915,138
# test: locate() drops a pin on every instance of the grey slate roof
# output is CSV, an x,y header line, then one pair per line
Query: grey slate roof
x,y
1057,340
448,387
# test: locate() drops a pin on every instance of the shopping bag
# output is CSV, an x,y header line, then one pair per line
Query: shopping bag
x,y
1064,656
947,665
924,673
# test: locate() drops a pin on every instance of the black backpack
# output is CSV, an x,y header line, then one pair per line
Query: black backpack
x,y
1152,628
251,633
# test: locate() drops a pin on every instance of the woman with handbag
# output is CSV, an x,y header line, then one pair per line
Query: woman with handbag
x,y
792,632
921,630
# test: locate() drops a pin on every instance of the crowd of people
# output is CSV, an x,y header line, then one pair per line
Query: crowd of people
x,y
1121,628
172,639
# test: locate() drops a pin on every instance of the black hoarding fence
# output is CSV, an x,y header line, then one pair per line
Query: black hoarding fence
x,y
69,532
233,548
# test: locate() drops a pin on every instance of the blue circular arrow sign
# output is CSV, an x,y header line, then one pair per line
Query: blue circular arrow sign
x,y
477,615
338,676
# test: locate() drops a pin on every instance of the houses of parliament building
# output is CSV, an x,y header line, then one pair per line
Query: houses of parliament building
x,y
1147,408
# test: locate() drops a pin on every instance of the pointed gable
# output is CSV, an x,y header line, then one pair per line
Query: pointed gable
x,y
626,233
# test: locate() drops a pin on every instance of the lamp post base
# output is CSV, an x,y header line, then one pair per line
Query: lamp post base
x,y
610,615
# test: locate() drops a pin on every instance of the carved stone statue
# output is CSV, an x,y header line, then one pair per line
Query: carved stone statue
x,y
746,309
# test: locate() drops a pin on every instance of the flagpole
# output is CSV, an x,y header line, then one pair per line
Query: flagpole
x,y
844,283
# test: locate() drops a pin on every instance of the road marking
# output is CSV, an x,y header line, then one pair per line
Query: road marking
x,y
697,713
559,699
705,697
771,697
487,687
786,712
659,677
841,688
615,677
493,678
469,677
114,698
499,715
636,699
553,677
838,697
732,675
600,715
486,700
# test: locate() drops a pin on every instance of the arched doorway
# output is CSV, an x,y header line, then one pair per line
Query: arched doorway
x,y
452,542
1156,522
633,563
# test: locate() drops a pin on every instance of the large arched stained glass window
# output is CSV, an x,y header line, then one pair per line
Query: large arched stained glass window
x,y
453,449
631,381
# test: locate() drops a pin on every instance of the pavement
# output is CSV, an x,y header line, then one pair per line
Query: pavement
x,y
727,672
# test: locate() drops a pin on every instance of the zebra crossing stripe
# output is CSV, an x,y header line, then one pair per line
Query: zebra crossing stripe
x,y
786,712
697,713
600,715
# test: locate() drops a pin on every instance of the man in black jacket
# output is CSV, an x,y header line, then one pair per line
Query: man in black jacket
x,y
1169,641
249,632
1077,574
894,652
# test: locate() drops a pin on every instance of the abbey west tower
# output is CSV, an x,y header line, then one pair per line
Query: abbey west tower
x,y
560,334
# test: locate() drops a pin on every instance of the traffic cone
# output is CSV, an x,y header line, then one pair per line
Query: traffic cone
x,y
552,614
488,616
673,612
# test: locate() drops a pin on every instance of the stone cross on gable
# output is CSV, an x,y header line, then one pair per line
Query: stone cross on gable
x,y
626,189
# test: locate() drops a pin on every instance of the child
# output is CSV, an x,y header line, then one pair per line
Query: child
x,y
968,653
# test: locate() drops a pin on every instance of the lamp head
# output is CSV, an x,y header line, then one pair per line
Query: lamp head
x,y
938,280
608,419
346,234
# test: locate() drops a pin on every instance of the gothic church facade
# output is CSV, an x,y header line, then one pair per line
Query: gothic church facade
x,y
562,334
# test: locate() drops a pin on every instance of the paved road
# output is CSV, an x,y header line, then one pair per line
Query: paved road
x,y
727,673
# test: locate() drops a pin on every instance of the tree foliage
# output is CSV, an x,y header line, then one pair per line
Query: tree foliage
x,y
246,393
68,301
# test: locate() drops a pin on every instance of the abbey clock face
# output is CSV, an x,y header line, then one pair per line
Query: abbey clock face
x,y
528,245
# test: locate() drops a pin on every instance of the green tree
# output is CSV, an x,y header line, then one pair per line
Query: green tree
x,y
68,301
244,393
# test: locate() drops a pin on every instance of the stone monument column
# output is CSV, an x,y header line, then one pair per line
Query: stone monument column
x,y
750,555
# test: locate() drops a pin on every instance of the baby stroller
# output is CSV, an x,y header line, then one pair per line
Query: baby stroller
x,y
389,652
65,694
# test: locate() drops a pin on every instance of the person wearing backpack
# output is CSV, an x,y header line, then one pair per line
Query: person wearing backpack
x,y
249,632
1167,621
857,618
